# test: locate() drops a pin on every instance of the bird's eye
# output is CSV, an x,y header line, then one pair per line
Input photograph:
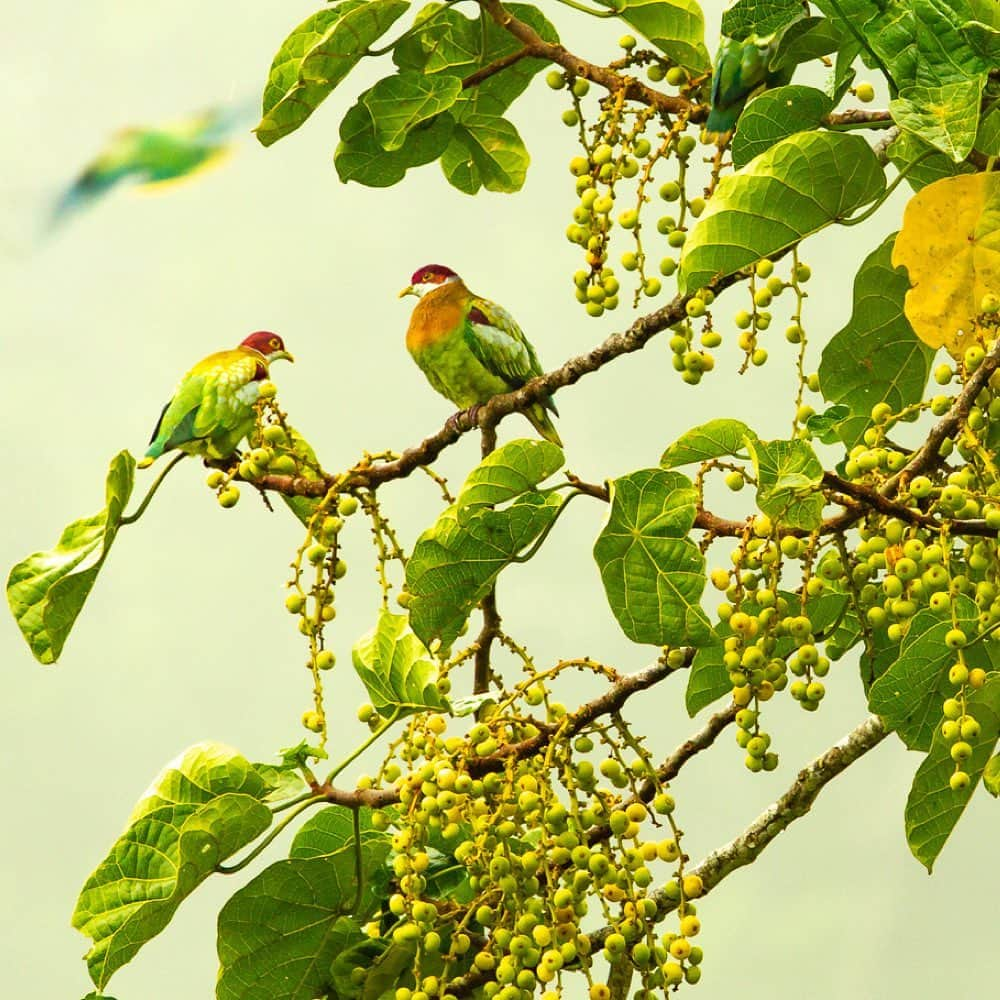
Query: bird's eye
x,y
275,342
428,276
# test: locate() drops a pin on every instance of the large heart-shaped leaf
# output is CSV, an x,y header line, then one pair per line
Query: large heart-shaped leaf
x,y
200,810
775,115
799,186
316,56
876,357
950,246
653,573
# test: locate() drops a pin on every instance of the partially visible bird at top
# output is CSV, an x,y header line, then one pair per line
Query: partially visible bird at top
x,y
741,68
212,408
470,348
155,156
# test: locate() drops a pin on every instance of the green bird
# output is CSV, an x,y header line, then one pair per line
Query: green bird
x,y
154,156
741,68
469,348
212,409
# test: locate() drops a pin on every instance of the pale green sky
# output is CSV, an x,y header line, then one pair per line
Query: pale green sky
x,y
185,637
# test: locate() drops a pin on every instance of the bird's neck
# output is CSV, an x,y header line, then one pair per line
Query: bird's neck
x,y
261,371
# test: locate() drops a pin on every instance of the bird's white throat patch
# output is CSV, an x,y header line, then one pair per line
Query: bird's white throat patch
x,y
423,287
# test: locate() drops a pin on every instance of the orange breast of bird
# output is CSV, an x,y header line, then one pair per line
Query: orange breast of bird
x,y
437,314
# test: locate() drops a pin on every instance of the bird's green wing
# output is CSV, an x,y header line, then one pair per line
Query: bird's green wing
x,y
176,424
227,393
499,343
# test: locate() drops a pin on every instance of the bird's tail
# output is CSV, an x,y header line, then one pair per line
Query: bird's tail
x,y
542,423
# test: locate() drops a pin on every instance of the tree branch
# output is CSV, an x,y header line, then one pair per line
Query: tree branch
x,y
488,605
634,90
497,66
671,767
794,804
611,701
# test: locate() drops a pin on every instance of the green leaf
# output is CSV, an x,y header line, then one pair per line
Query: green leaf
x,y
991,776
394,666
825,425
707,441
988,136
316,56
330,834
47,590
653,574
908,695
933,808
876,357
708,677
200,810
398,103
796,188
363,954
485,152
775,115
805,40
360,157
455,563
459,46
508,472
947,116
789,476
675,27
280,934
945,53
759,17
388,968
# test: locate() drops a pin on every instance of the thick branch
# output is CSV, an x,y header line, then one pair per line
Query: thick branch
x,y
794,804
634,90
488,605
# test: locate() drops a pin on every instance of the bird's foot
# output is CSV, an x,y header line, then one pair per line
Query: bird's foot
x,y
465,420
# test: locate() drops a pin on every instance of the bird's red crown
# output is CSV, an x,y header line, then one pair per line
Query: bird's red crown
x,y
264,342
432,274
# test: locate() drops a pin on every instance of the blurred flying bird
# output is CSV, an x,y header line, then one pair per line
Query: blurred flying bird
x,y
155,156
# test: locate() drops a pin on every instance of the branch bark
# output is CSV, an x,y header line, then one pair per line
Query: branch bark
x,y
634,90
793,805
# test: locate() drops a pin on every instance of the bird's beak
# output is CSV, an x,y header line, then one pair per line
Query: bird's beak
x,y
279,355
409,290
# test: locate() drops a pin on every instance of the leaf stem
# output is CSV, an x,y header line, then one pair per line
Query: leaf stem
x,y
152,489
530,554
896,181
588,10
276,831
357,752
419,26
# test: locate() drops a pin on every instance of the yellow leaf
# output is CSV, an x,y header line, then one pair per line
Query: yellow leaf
x,y
950,245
